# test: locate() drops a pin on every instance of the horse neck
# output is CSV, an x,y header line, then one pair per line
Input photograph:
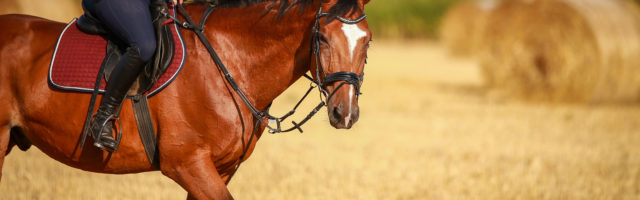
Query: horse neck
x,y
264,53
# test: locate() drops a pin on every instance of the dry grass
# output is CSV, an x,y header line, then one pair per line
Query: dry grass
x,y
58,10
427,131
462,27
564,50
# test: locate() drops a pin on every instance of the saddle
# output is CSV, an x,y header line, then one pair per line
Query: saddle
x,y
86,53
115,48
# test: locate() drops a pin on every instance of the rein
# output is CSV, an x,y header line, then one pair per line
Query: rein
x,y
259,114
347,77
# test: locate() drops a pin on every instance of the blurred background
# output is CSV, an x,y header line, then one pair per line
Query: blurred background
x,y
476,99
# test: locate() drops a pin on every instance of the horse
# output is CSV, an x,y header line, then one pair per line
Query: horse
x,y
203,126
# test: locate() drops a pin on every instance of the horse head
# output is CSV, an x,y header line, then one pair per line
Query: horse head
x,y
340,41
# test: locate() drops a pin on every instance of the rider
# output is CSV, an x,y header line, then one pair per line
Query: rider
x,y
130,21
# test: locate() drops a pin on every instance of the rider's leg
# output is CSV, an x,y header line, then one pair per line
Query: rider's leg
x,y
129,20
119,83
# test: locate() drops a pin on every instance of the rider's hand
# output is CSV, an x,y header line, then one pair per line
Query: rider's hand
x,y
175,2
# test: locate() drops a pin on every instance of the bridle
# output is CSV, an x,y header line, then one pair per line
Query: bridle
x,y
347,77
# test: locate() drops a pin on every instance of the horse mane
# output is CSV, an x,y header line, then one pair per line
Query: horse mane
x,y
341,8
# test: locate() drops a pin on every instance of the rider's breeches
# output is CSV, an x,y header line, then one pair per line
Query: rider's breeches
x,y
129,20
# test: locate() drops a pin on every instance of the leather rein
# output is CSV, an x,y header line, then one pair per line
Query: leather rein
x,y
346,77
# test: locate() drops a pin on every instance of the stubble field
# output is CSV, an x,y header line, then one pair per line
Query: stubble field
x,y
428,130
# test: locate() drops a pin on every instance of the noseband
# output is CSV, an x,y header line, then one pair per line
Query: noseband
x,y
346,77
262,115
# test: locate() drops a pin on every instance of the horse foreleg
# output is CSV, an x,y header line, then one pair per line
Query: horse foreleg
x,y
199,177
4,145
191,197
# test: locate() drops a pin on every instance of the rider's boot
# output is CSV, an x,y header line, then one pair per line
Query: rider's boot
x,y
121,79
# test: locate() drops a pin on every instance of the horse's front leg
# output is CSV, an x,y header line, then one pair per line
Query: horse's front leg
x,y
4,144
198,175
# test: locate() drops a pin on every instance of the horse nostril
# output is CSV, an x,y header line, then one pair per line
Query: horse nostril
x,y
337,113
356,113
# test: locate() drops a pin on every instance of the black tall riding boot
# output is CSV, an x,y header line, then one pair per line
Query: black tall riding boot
x,y
121,79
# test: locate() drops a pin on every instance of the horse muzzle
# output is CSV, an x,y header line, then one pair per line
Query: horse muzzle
x,y
343,101
343,115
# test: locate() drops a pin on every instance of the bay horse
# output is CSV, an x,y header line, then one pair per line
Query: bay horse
x,y
202,125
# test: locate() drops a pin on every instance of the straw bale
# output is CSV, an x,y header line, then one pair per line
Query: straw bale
x,y
462,25
564,50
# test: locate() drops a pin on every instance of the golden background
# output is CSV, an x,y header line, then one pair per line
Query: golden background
x,y
431,127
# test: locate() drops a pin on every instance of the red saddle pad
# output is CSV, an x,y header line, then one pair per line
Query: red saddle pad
x,y
78,56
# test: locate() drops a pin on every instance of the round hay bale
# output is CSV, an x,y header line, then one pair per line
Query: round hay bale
x,y
462,26
564,50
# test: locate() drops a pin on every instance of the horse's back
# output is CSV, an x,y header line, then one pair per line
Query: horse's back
x,y
16,26
21,20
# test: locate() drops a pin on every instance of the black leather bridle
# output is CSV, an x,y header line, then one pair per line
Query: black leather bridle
x,y
346,77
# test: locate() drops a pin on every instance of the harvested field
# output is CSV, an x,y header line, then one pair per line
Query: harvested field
x,y
58,10
564,50
428,130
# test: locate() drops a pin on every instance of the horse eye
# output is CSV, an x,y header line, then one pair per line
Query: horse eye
x,y
366,56
322,39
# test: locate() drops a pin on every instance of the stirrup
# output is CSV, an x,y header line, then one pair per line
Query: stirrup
x,y
97,139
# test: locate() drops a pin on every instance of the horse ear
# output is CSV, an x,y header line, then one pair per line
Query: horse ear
x,y
366,1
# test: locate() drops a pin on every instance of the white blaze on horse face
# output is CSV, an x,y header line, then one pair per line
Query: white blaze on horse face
x,y
353,33
348,117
